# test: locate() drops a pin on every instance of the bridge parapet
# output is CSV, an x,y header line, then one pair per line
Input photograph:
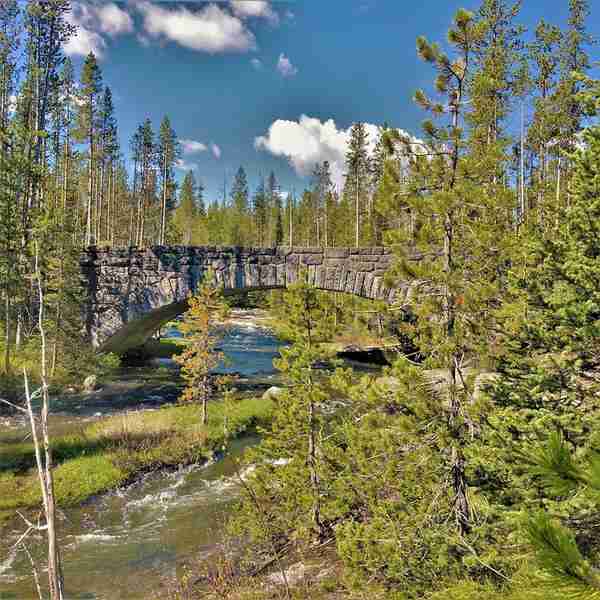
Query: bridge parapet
x,y
132,291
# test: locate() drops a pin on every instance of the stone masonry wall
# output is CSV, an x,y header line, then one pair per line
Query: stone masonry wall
x,y
126,284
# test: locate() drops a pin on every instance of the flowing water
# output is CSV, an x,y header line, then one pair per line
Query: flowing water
x,y
125,544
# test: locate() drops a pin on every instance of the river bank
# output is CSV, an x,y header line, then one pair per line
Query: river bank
x,y
137,476
114,451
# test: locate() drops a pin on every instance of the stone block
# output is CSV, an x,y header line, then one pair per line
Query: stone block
x,y
321,276
336,262
337,252
280,275
312,259
358,283
367,285
291,273
350,280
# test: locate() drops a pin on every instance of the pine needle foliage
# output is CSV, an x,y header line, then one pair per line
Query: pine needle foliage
x,y
293,474
206,308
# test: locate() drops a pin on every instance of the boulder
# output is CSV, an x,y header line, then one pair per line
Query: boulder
x,y
90,383
272,393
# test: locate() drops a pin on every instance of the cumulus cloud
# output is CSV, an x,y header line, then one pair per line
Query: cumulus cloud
x,y
113,20
256,63
285,66
211,29
192,146
309,141
215,150
84,41
254,8
93,21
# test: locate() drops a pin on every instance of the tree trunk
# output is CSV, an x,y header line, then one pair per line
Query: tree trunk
x,y
314,476
7,330
55,579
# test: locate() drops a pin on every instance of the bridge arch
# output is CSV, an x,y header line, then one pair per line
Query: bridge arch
x,y
131,291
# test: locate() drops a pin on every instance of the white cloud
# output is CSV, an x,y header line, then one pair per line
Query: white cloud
x,y
285,67
183,165
114,20
92,20
211,29
256,63
254,8
215,150
84,41
309,141
192,146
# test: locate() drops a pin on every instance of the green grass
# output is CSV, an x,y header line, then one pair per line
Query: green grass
x,y
112,451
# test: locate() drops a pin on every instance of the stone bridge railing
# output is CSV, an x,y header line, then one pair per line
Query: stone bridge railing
x,y
131,292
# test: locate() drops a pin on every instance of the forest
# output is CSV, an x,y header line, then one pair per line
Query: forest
x,y
469,469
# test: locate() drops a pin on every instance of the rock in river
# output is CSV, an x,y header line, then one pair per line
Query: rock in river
x,y
272,393
90,383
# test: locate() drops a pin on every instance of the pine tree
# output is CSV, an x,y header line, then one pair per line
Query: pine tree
x,y
187,211
88,124
200,356
357,177
549,350
260,213
239,218
273,210
574,63
292,469
542,134
321,194
167,153
461,230
560,551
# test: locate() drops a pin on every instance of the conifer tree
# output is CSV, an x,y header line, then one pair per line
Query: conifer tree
x,y
88,124
200,356
542,134
357,177
461,221
273,210
549,350
239,216
168,152
321,197
297,443
187,211
260,203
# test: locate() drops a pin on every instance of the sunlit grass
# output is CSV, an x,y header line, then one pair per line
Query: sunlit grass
x,y
114,450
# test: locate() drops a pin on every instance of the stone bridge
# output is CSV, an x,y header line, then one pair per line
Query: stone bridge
x,y
132,292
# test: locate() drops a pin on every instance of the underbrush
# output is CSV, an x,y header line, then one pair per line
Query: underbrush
x,y
317,575
69,371
113,451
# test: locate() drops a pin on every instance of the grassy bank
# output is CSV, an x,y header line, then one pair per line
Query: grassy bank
x,y
113,451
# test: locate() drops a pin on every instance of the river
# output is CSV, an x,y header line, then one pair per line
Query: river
x,y
129,543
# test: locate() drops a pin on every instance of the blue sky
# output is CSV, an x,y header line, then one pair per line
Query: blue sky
x,y
237,77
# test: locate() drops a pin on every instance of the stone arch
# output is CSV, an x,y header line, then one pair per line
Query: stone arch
x,y
132,291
